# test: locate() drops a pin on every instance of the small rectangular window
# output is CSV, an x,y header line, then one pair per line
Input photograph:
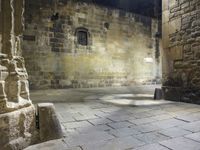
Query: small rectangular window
x,y
82,38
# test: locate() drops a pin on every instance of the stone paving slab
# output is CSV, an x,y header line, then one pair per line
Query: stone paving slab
x,y
181,144
86,117
118,118
152,137
115,144
162,117
189,117
94,128
193,126
175,132
99,121
152,147
146,128
194,136
169,123
86,138
97,125
118,125
78,124
123,132
66,117
142,121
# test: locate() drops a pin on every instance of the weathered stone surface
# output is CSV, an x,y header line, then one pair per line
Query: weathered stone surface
x,y
49,125
17,114
17,129
14,78
120,50
181,50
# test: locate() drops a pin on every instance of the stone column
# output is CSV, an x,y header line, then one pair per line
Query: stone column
x,y
3,43
14,90
0,25
12,25
17,114
6,27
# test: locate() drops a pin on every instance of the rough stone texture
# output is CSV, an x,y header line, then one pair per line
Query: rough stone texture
x,y
122,47
14,78
17,114
17,129
49,125
181,44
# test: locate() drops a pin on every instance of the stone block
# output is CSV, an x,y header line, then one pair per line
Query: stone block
x,y
49,125
165,5
172,3
158,94
165,33
2,91
175,25
176,52
17,129
165,16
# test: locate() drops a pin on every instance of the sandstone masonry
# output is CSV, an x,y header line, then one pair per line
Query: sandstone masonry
x,y
181,34
83,45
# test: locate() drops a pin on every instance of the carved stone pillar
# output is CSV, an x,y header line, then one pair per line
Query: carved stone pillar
x,y
17,113
14,90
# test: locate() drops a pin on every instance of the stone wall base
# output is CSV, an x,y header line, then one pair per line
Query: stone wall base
x,y
17,129
181,94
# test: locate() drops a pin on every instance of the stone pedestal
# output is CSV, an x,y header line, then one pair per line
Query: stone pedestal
x,y
17,129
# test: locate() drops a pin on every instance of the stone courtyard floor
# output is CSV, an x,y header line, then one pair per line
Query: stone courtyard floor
x,y
114,121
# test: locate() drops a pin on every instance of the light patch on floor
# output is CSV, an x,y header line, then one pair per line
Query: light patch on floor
x,y
133,99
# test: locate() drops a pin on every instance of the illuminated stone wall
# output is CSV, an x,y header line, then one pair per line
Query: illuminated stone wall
x,y
121,47
181,31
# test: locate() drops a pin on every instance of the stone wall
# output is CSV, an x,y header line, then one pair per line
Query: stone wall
x,y
181,43
120,49
0,26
